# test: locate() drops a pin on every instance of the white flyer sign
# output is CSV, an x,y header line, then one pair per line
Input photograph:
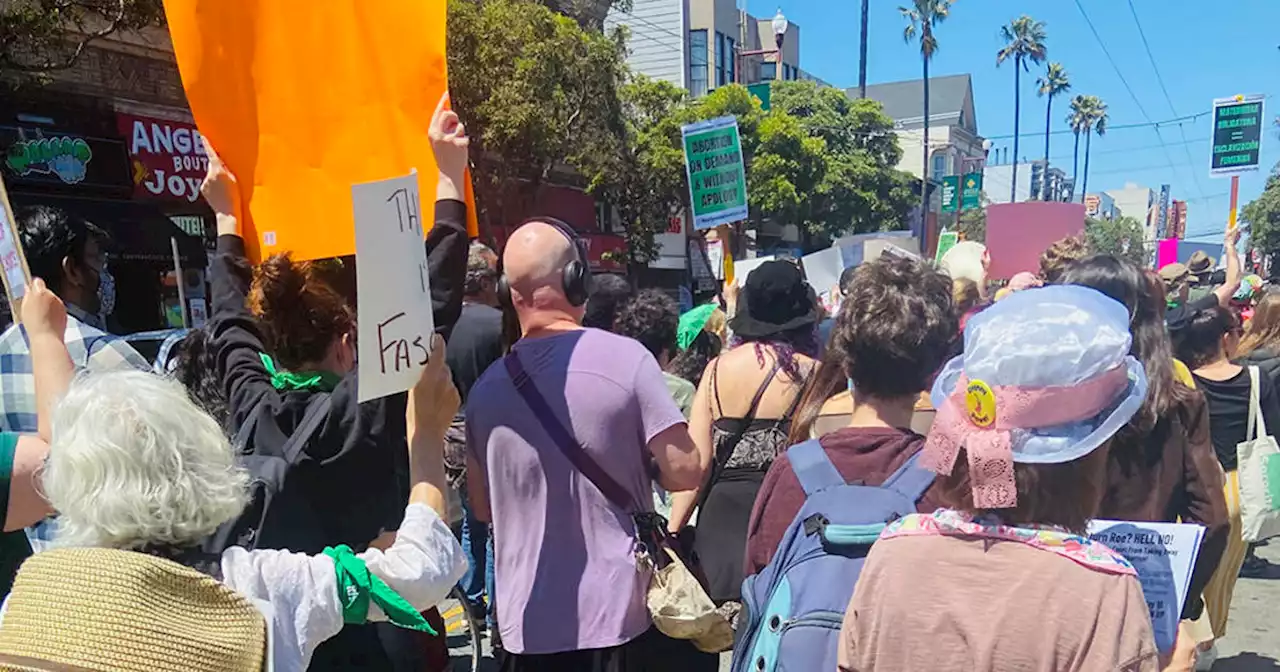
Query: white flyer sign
x,y
393,290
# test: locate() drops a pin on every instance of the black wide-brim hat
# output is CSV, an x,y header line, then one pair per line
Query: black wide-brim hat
x,y
776,299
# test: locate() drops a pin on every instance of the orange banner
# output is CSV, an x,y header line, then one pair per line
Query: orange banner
x,y
302,101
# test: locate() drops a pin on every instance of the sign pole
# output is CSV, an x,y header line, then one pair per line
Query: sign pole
x,y
1235,202
182,285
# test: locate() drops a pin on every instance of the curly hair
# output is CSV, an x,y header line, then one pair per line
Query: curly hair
x,y
195,366
1061,254
692,362
608,292
896,328
301,313
134,463
652,318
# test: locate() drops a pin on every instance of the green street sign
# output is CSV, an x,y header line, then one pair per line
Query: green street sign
x,y
946,241
971,195
950,193
1237,135
717,179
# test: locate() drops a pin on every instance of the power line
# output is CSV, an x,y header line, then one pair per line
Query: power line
x,y
1110,128
1195,176
1122,150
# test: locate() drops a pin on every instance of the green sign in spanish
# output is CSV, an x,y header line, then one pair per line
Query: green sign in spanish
x,y
717,179
1237,135
971,191
950,193
946,241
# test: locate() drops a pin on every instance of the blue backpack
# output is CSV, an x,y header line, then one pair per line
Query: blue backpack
x,y
793,609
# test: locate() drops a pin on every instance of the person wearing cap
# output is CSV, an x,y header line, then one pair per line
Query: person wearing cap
x,y
742,414
1006,578
1178,277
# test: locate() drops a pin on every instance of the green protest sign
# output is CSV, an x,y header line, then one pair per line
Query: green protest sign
x,y
717,178
971,192
1237,135
946,241
950,193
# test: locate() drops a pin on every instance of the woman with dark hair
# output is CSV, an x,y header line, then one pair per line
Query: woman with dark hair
x,y
1005,576
1161,467
692,362
196,367
742,414
1206,343
284,345
893,333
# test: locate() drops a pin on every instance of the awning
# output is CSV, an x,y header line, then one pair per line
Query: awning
x,y
139,231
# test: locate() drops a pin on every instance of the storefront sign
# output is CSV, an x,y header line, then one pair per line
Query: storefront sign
x,y
714,167
64,156
167,157
671,244
67,160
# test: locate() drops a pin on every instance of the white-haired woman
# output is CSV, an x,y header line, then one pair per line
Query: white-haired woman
x,y
139,475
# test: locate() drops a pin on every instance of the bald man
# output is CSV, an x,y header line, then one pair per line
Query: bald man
x,y
569,596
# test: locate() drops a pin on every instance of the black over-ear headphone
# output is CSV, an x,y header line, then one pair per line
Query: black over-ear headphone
x,y
576,280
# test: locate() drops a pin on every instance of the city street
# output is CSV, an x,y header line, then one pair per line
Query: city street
x,y
1250,646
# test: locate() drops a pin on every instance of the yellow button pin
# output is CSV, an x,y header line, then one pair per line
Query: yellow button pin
x,y
980,401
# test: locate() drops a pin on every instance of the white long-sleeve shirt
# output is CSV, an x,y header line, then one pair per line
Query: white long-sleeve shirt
x,y
423,565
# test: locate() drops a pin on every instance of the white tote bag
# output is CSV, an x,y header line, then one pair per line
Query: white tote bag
x,y
1259,473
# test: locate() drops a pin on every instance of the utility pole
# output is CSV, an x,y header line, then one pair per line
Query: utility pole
x,y
862,61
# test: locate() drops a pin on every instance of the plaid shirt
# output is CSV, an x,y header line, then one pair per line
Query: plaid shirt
x,y
90,348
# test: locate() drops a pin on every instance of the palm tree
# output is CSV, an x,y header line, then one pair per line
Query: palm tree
x,y
1024,39
1054,83
1079,122
922,16
1098,120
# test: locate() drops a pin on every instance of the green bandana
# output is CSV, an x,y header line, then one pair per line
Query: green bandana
x,y
691,323
356,586
318,381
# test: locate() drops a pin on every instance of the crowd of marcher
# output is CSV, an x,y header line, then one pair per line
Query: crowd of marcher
x,y
902,483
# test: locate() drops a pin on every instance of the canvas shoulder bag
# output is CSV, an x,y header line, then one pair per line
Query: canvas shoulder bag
x,y
1258,465
677,603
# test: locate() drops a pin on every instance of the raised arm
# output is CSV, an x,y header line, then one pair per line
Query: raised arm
x,y
234,334
447,242
1227,289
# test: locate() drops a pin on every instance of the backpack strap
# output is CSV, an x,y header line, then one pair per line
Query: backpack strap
x,y
910,480
317,412
812,467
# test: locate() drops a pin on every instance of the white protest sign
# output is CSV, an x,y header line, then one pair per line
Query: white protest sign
x,y
15,276
1163,555
393,291
743,267
823,268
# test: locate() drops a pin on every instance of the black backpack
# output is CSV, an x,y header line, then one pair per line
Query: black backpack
x,y
274,517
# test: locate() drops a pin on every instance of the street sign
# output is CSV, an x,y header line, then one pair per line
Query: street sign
x,y
763,91
950,193
971,195
717,178
1237,135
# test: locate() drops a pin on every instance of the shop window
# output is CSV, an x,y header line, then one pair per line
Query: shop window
x,y
698,63
768,71
719,58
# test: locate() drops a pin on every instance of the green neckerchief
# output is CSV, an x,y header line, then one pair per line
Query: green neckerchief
x,y
356,586
318,381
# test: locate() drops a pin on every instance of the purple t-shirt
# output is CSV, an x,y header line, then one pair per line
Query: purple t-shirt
x,y
566,576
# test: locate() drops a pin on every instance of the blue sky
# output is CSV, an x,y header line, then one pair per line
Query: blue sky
x,y
1203,50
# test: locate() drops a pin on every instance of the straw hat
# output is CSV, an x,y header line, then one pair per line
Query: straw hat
x,y
105,609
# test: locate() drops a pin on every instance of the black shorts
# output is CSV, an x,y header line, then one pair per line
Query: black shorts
x,y
650,652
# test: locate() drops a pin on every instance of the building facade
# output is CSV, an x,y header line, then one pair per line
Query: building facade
x,y
111,139
1100,206
1138,202
1032,177
955,146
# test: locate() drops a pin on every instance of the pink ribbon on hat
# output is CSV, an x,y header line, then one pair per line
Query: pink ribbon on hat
x,y
990,448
